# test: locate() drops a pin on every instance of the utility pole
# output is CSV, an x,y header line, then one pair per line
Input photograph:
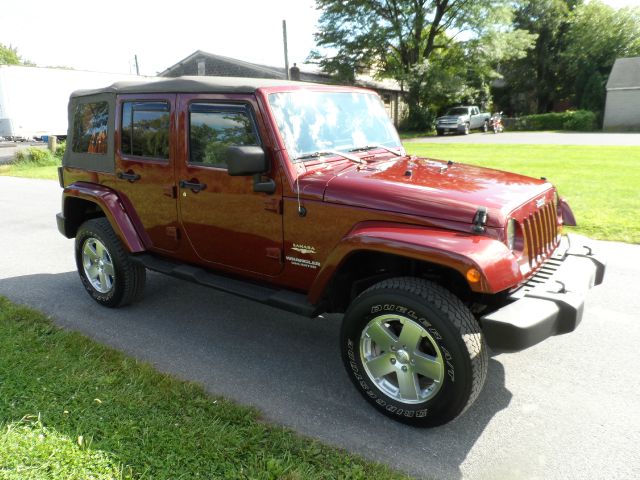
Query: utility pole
x,y
137,67
286,51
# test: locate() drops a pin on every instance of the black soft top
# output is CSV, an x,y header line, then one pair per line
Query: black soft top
x,y
190,85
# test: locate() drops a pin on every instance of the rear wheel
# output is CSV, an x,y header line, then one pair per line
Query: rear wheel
x,y
104,266
485,126
414,351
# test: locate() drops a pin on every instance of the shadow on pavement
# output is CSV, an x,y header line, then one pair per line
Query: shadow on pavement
x,y
287,366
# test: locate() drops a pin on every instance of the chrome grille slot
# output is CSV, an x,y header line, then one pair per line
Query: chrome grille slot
x,y
540,234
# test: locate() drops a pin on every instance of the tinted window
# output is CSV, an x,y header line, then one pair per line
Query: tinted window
x,y
145,129
90,127
214,128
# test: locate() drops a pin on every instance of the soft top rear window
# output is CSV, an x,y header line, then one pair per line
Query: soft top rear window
x,y
90,122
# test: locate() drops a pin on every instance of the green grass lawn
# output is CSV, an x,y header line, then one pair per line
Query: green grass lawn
x,y
601,183
73,409
30,171
33,162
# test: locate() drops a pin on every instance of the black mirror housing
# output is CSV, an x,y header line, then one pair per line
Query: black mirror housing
x,y
246,160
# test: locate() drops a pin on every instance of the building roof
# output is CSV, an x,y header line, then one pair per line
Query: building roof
x,y
625,74
202,84
230,66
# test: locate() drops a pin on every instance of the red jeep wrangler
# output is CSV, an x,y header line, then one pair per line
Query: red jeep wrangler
x,y
302,197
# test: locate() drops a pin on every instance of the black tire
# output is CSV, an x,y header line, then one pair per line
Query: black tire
x,y
485,126
439,132
467,129
126,284
452,335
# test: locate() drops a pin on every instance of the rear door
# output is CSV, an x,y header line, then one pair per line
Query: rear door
x,y
145,154
225,221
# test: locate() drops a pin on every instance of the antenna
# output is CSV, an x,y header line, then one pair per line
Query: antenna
x,y
137,67
286,50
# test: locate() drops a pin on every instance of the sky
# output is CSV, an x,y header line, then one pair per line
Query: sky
x,y
105,36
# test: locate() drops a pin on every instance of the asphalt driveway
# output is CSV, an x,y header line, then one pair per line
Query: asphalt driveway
x,y
567,408
540,138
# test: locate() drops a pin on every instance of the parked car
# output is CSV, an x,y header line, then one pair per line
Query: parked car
x,y
463,120
302,197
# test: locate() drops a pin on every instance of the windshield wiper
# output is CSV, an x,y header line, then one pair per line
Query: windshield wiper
x,y
371,147
330,152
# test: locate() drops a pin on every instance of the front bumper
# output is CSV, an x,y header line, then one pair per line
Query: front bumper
x,y
450,127
551,302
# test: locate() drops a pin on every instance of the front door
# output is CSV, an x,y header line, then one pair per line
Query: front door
x,y
226,222
145,155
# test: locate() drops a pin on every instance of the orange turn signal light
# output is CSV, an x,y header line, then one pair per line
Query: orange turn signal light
x,y
473,275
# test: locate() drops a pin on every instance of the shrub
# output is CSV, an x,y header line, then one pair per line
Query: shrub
x,y
62,146
579,120
36,157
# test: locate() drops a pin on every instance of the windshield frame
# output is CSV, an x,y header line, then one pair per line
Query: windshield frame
x,y
341,152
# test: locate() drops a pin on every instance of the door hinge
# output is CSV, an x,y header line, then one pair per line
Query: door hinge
x,y
275,253
170,191
173,232
273,205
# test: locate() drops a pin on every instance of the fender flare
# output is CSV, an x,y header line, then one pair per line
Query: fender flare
x,y
458,251
134,239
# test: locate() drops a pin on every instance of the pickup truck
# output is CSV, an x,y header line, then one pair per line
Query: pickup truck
x,y
302,197
463,120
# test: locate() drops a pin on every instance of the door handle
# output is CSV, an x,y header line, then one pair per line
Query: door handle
x,y
193,186
129,176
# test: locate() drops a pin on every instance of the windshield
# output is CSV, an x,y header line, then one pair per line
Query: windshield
x,y
457,111
315,123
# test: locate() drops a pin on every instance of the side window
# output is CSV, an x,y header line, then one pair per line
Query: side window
x,y
145,129
213,128
90,122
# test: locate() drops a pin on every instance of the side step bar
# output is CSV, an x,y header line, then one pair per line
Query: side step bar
x,y
283,299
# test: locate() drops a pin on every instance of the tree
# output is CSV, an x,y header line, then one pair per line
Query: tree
x,y
465,71
539,75
597,35
398,38
9,56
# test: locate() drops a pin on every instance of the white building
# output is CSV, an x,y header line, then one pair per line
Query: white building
x,y
33,100
622,110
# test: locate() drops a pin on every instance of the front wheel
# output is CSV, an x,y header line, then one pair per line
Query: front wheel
x,y
414,351
104,266
467,129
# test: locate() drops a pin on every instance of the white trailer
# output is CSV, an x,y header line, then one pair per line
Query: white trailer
x,y
33,100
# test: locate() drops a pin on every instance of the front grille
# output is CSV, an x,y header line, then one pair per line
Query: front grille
x,y
541,234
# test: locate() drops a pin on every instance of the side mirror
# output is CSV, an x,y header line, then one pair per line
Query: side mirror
x,y
246,160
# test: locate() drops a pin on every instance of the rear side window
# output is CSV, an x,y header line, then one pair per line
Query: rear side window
x,y
145,129
213,128
90,128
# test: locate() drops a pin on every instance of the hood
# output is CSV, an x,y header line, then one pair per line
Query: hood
x,y
433,189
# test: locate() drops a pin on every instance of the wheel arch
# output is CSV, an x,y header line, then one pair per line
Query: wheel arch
x,y
374,251
82,202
